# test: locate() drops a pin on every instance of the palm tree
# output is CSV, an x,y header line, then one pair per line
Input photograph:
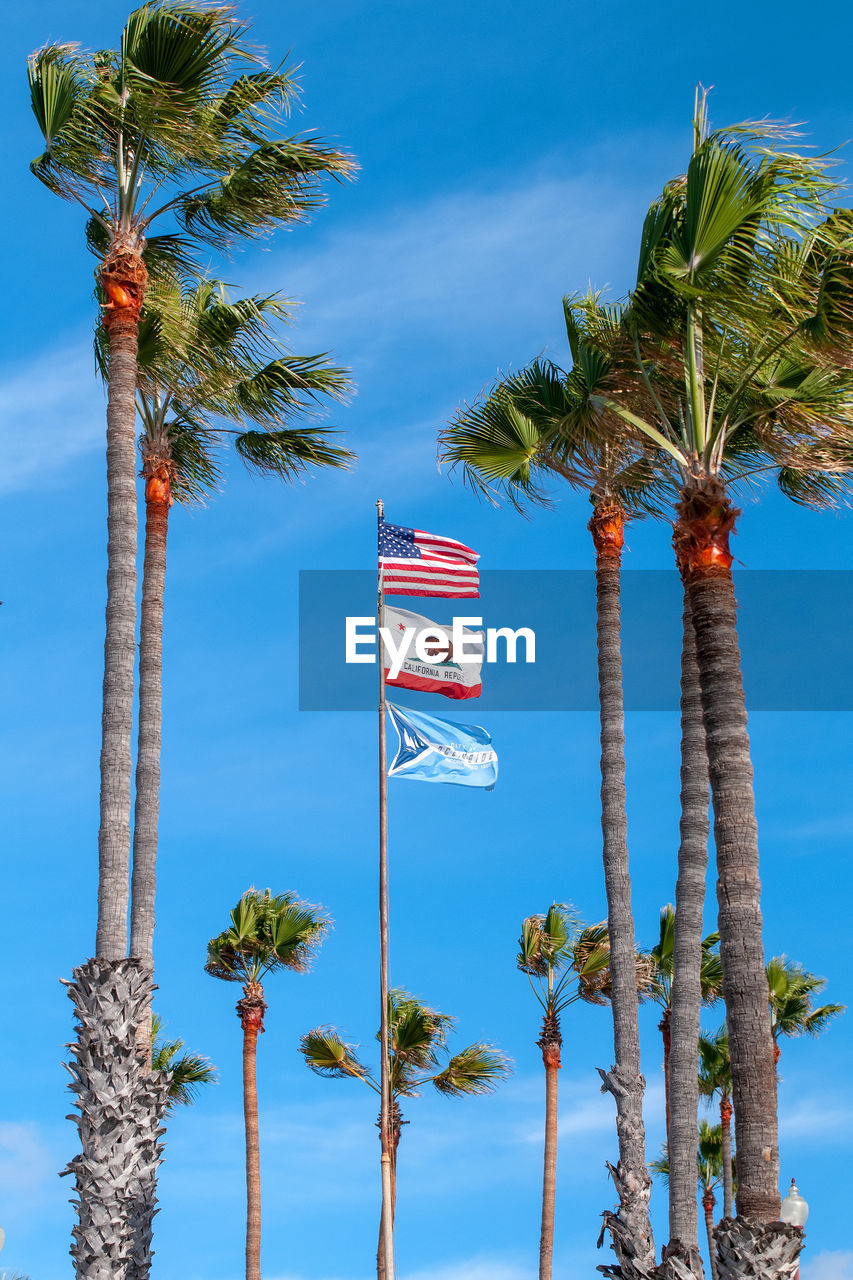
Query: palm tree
x,y
267,933
417,1046
791,1011
711,978
530,427
711,1169
211,370
183,122
729,320
204,360
563,963
715,1080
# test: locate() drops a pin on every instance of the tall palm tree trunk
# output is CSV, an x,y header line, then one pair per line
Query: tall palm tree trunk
x,y
123,278
630,1229
708,1206
683,1083
396,1121
157,473
550,1042
726,1131
706,518
109,991
250,1011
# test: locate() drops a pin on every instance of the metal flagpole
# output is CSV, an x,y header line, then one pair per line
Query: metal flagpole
x,y
385,1077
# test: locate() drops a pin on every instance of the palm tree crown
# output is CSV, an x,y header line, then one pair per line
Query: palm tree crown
x,y
417,1047
211,368
791,990
183,118
268,932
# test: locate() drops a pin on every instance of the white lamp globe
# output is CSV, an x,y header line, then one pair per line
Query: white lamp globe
x,y
794,1209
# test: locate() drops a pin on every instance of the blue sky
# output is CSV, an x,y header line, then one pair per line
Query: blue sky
x,y
508,155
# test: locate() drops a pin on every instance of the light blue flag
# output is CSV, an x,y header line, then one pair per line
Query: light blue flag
x,y
433,750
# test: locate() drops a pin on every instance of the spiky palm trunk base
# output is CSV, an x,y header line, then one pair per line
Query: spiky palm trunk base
x,y
628,1229
121,1107
752,1250
153,1098
680,1262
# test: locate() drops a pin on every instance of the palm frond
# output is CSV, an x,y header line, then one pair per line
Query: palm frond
x,y
477,1069
327,1054
291,452
189,1071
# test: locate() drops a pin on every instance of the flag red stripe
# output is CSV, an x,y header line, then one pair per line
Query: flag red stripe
x,y
422,535
452,562
423,569
454,550
424,685
390,573
433,589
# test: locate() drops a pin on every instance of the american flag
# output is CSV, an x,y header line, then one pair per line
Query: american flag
x,y
415,563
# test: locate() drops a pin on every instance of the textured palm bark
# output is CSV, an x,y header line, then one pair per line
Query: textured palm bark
x,y
395,1123
630,1229
726,1131
250,1011
679,1262
151,1102
752,1250
683,1084
120,1146
550,1042
706,519
708,1208
123,279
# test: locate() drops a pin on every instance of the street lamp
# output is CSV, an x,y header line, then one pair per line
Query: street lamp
x,y
794,1208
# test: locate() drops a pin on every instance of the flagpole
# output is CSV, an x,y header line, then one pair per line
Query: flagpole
x,y
384,1047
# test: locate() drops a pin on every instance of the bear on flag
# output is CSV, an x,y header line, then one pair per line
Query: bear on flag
x,y
431,664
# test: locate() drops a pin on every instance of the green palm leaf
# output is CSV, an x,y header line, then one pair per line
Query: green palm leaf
x,y
189,1071
478,1069
328,1054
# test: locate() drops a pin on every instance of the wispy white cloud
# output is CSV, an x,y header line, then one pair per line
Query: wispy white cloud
x,y
585,1110
26,1161
830,1264
52,412
482,1268
821,1119
479,1268
835,826
462,262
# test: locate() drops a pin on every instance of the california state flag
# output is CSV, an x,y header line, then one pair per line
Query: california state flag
x,y
439,673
